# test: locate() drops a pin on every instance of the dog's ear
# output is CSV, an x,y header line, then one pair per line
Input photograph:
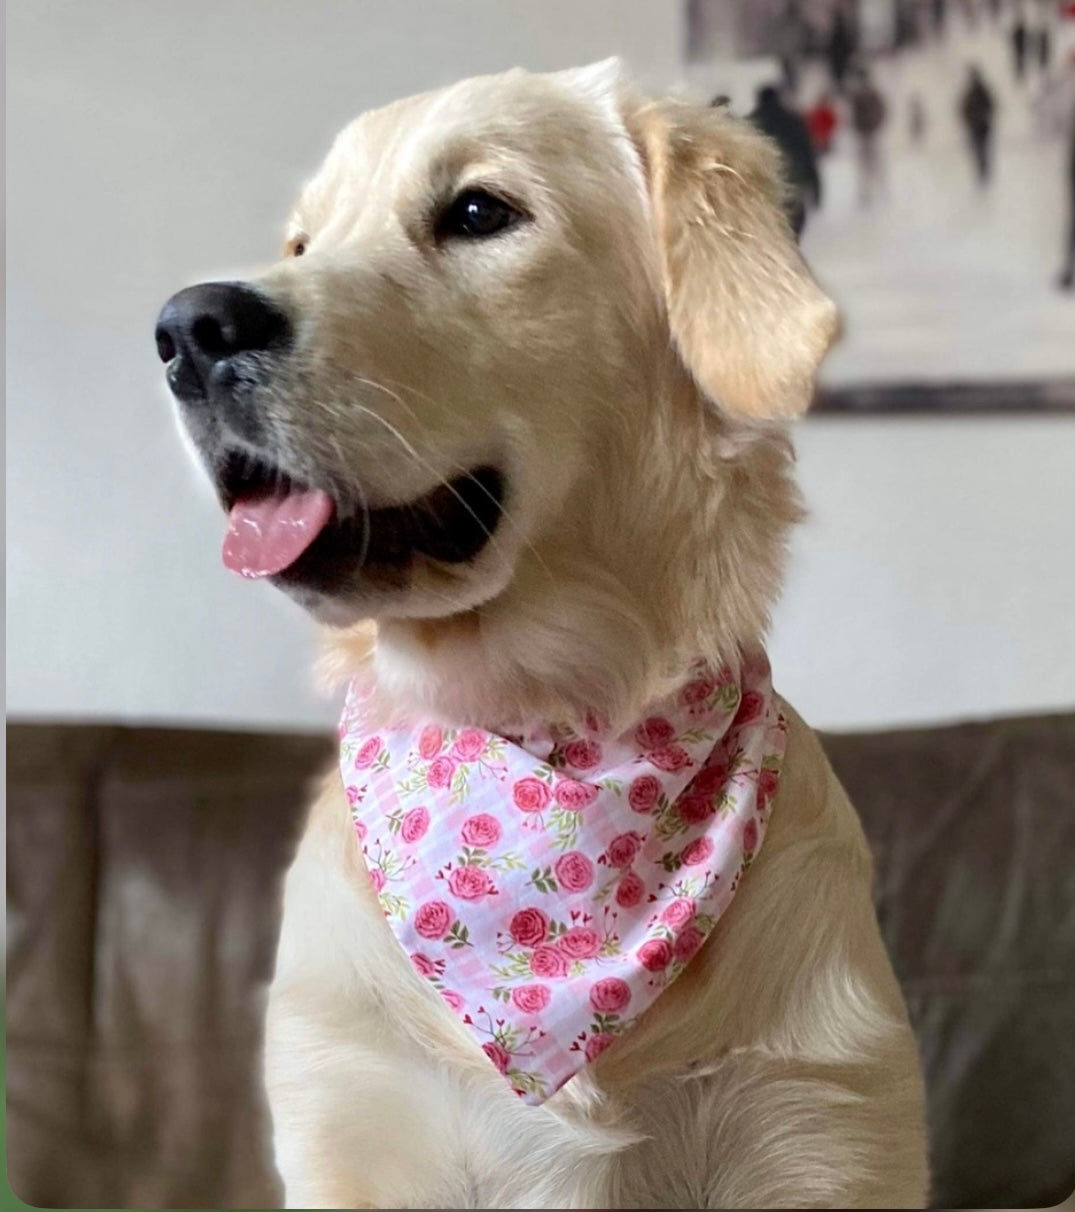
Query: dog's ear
x,y
749,320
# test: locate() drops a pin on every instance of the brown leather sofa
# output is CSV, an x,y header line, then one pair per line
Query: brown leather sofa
x,y
143,875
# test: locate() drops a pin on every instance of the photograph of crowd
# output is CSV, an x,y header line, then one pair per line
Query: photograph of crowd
x,y
929,147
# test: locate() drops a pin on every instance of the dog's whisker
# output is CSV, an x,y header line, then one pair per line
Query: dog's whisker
x,y
504,512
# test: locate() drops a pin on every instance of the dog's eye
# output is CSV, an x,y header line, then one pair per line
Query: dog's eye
x,y
298,248
475,214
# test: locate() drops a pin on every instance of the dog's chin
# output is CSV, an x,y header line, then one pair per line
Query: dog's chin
x,y
424,591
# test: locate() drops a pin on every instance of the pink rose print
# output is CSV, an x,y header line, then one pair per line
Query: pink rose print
x,y
414,825
654,733
440,772
670,759
583,755
644,792
596,1044
695,853
694,809
609,900
630,890
709,780
470,883
750,707
622,849
573,795
688,943
430,742
531,795
678,913
433,919
424,965
481,830
580,942
500,1056
750,836
610,995
368,753
696,694
469,744
655,955
574,871
529,927
530,999
548,961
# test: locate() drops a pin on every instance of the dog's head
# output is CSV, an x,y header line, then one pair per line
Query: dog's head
x,y
514,380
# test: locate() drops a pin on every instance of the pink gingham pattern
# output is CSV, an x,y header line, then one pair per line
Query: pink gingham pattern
x,y
551,886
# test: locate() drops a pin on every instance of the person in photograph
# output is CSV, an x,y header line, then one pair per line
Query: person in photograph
x,y
840,49
790,42
1044,47
916,118
977,110
1067,272
822,121
868,116
1020,37
787,128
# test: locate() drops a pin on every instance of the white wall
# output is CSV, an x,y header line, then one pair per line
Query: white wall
x,y
935,576
153,145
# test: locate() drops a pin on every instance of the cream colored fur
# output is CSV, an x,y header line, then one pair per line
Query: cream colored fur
x,y
626,357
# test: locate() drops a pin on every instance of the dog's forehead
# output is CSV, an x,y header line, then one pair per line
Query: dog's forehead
x,y
536,118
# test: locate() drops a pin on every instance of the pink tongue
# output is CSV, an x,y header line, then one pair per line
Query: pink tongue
x,y
268,534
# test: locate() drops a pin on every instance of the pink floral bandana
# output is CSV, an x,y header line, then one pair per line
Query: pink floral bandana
x,y
551,886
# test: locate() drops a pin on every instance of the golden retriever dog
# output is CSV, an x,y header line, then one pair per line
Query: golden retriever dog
x,y
517,394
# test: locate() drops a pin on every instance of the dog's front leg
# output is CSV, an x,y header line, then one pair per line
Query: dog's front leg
x,y
355,1116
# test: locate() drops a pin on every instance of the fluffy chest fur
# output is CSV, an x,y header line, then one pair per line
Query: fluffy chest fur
x,y
406,1110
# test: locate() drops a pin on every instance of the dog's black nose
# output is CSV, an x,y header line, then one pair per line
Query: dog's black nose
x,y
201,328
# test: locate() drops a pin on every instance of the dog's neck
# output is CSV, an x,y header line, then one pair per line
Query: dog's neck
x,y
670,551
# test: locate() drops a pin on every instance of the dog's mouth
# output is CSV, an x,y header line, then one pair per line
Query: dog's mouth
x,y
298,534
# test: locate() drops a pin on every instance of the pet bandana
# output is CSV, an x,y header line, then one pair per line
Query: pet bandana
x,y
550,887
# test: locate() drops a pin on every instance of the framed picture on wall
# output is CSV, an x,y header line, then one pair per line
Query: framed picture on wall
x,y
930,148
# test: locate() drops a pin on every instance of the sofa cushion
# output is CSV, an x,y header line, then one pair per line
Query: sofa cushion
x,y
144,870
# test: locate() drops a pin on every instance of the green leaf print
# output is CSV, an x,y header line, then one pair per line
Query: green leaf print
x,y
412,786
531,1083
458,936
460,780
508,862
695,736
393,905
567,827
473,857
542,880
515,965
